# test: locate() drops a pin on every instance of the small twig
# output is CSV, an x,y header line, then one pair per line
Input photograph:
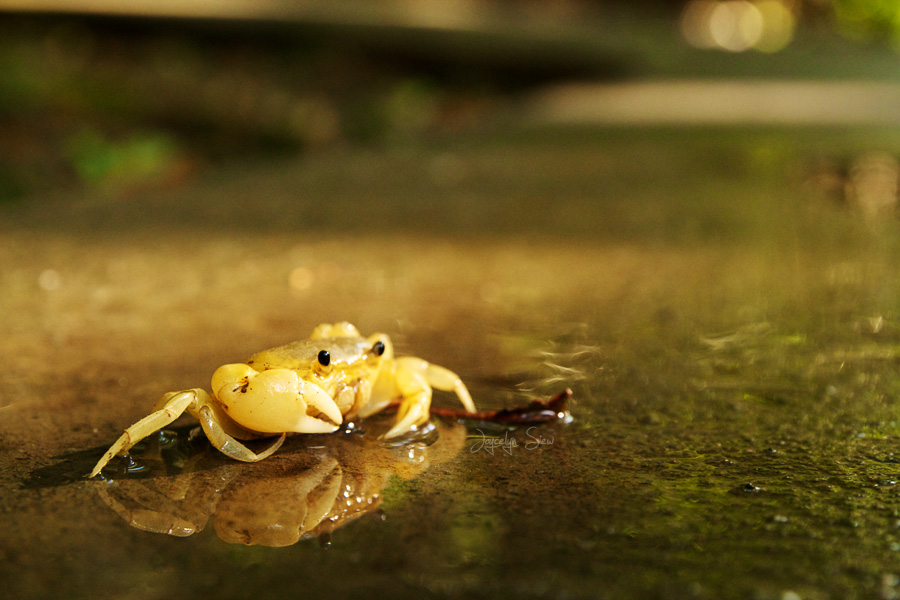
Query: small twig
x,y
536,412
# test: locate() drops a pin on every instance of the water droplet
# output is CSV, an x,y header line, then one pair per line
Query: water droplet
x,y
747,488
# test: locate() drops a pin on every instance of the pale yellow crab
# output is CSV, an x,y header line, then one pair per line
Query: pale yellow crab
x,y
308,386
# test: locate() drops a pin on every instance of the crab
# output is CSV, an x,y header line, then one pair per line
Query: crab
x,y
308,386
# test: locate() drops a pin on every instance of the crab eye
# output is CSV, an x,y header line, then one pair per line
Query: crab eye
x,y
378,348
324,358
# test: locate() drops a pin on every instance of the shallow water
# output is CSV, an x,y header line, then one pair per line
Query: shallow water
x,y
729,331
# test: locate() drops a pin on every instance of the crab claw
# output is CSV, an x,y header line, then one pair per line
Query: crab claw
x,y
274,400
322,414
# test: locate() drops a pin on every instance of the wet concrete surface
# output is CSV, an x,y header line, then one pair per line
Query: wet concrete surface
x,y
729,332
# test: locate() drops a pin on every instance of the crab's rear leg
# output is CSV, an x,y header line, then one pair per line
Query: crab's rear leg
x,y
332,330
414,379
168,409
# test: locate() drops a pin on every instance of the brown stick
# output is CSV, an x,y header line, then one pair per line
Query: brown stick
x,y
536,412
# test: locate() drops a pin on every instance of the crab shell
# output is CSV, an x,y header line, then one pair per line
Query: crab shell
x,y
307,386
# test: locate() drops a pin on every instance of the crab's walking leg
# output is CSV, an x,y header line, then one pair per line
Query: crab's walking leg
x,y
219,428
448,381
225,443
328,330
414,403
414,379
172,405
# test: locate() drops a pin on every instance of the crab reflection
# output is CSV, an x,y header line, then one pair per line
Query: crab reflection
x,y
316,487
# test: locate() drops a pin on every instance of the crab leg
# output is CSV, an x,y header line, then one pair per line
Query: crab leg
x,y
448,381
218,427
328,330
172,405
414,379
225,443
414,403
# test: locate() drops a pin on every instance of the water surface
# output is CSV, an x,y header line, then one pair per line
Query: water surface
x,y
728,325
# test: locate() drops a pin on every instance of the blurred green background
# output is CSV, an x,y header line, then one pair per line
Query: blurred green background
x,y
117,97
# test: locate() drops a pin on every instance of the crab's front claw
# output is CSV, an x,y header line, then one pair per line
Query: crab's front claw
x,y
274,400
322,414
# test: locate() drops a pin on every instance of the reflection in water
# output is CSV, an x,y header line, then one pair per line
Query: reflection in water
x,y
324,484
